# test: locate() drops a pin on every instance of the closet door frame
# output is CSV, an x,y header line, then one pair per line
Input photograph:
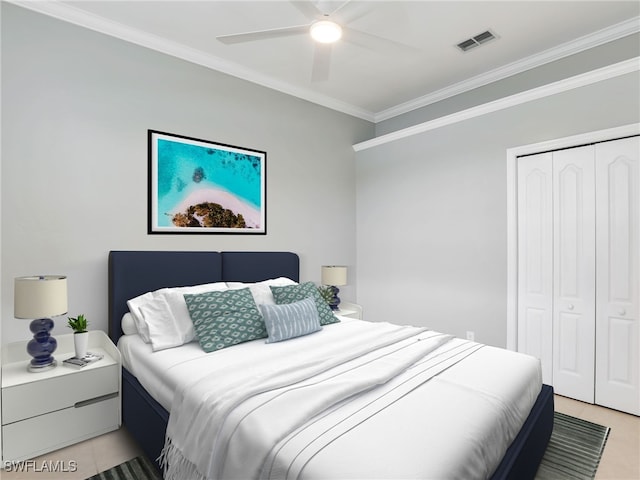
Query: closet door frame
x,y
512,208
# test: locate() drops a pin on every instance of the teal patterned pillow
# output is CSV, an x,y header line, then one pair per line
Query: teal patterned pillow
x,y
290,320
295,293
225,318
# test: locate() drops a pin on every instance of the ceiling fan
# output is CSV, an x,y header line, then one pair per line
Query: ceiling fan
x,y
325,29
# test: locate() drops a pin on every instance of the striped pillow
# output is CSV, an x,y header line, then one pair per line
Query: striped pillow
x,y
290,320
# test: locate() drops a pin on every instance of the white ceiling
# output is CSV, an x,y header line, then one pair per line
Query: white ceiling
x,y
409,59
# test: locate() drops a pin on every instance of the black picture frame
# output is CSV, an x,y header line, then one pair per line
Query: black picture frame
x,y
199,186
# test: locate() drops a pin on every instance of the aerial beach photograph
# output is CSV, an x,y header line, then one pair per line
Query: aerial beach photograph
x,y
198,186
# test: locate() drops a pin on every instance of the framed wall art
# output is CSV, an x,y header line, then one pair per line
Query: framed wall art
x,y
198,186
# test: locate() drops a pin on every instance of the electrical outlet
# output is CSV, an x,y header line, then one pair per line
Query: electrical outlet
x,y
471,336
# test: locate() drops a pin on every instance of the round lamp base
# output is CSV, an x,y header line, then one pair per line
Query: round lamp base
x,y
42,345
42,368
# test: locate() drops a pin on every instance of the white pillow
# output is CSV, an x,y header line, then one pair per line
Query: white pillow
x,y
137,303
134,307
128,324
261,292
168,321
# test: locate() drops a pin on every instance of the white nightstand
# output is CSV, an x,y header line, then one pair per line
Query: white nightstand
x,y
351,310
49,410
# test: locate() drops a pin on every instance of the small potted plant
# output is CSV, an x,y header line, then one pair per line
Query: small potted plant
x,y
326,293
80,334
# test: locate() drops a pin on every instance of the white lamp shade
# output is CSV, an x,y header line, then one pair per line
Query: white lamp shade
x,y
40,296
334,275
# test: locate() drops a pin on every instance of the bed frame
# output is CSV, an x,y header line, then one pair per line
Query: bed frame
x,y
132,273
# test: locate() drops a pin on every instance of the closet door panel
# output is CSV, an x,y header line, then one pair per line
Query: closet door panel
x,y
574,273
618,265
620,333
535,259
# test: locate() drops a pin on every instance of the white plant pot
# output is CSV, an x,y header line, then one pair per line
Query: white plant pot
x,y
80,341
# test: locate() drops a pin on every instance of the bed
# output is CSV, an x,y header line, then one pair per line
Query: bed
x,y
364,441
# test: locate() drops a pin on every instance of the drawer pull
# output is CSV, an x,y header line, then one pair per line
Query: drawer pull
x,y
91,401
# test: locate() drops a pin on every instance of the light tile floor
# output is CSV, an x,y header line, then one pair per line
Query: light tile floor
x,y
621,457
620,461
80,461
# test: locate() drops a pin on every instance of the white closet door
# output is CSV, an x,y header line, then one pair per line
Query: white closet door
x,y
535,259
574,273
618,264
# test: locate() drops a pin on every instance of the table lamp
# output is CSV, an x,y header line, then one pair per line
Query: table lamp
x,y
37,298
334,276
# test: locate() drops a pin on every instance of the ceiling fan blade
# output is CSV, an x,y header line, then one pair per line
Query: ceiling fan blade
x,y
263,34
321,62
374,42
339,7
308,9
356,11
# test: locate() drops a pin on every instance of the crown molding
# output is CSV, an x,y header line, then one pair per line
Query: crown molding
x,y
614,32
68,13
90,21
577,81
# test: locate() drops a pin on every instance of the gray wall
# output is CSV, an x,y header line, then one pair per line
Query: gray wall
x,y
426,225
76,106
431,209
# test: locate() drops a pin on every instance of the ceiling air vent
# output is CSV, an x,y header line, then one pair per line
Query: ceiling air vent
x,y
479,39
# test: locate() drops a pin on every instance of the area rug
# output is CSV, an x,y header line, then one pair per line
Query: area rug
x,y
138,468
574,450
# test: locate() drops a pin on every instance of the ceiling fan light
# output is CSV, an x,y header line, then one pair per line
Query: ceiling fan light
x,y
326,31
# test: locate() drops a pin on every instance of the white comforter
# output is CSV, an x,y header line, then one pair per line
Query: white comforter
x,y
290,409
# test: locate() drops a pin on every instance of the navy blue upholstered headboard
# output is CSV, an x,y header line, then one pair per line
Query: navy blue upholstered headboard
x,y
132,273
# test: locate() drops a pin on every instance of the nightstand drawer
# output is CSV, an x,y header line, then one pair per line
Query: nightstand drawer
x,y
34,436
50,394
